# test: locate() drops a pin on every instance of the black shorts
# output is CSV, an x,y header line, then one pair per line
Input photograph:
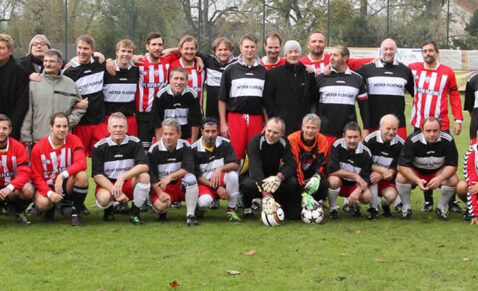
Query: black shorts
x,y
52,187
145,128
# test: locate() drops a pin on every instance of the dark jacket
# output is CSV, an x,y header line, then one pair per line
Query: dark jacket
x,y
30,64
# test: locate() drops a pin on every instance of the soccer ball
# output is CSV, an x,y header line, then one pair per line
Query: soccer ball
x,y
312,215
274,219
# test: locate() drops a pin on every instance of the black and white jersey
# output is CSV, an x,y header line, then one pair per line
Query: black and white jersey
x,y
111,159
471,103
207,161
184,108
384,154
163,162
338,94
428,158
358,161
242,87
386,85
89,80
120,89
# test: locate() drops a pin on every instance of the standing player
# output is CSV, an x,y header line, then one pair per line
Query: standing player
x,y
216,167
272,46
349,168
172,167
385,145
120,169
240,96
428,160
433,83
471,105
59,169
88,75
15,190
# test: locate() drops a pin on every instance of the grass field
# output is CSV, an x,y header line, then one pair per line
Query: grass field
x,y
353,253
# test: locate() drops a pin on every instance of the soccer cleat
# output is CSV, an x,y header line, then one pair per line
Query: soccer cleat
x,y
108,214
386,212
76,220
84,210
49,214
215,204
467,216
442,214
356,210
454,207
176,205
66,211
122,208
398,207
199,213
23,219
232,216
428,207
192,220
256,204
162,217
334,214
32,212
406,214
347,208
135,220
373,213
248,216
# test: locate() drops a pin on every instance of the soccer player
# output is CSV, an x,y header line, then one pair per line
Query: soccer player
x,y
15,190
58,169
216,167
14,88
53,93
120,169
120,89
272,171
387,80
434,82
178,101
290,90
339,91
172,167
428,160
88,75
272,47
471,105
240,96
385,145
311,152
467,188
349,168
196,78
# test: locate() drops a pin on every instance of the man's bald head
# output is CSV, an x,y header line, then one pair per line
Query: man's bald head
x,y
388,127
388,49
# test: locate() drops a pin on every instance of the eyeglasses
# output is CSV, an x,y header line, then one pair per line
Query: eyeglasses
x,y
38,44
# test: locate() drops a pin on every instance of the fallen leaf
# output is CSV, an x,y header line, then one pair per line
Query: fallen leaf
x,y
232,272
382,261
318,280
115,230
465,259
441,246
429,217
343,255
306,256
401,259
431,260
250,253
101,289
344,244
174,284
357,231
341,278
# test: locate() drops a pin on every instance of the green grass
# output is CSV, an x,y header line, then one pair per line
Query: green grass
x,y
353,253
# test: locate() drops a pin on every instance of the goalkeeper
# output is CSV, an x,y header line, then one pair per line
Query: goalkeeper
x,y
271,172
311,151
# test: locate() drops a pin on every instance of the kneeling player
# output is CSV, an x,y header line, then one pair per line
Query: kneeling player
x,y
120,169
59,168
15,191
385,146
349,168
216,167
467,188
172,164
428,160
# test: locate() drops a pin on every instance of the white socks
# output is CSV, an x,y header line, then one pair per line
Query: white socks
x,y
332,195
140,193
404,192
447,193
191,194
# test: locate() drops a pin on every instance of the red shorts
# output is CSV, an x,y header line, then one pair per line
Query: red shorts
x,y
402,132
127,189
424,177
90,135
382,185
130,120
331,140
242,127
346,190
174,191
473,141
205,190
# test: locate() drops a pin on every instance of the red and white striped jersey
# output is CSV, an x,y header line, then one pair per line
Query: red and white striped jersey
x,y
49,161
280,62
14,170
470,171
152,77
318,65
431,94
195,79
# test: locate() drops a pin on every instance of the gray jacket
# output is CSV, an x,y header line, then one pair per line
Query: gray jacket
x,y
52,94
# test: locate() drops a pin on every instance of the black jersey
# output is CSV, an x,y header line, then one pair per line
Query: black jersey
x,y
386,85
242,87
111,159
89,80
120,89
358,161
338,93
428,158
163,162
207,161
384,154
184,108
471,103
